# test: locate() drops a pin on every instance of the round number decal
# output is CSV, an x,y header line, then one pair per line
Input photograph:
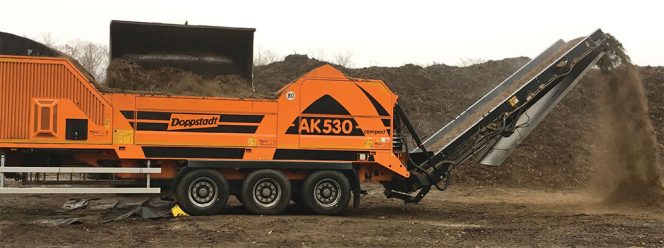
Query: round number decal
x,y
290,95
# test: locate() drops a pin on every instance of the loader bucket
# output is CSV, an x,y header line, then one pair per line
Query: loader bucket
x,y
205,50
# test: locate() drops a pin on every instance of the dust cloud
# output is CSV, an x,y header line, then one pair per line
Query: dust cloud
x,y
626,150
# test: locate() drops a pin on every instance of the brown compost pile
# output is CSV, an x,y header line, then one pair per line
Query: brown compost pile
x,y
128,75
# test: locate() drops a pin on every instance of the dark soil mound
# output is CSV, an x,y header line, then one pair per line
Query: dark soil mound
x,y
653,81
434,94
556,155
268,79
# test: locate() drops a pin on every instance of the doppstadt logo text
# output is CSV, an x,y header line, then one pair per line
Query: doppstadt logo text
x,y
187,121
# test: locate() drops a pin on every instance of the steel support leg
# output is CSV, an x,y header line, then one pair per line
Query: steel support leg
x,y
2,175
148,176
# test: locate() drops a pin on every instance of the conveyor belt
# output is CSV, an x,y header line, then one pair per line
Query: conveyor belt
x,y
499,121
523,88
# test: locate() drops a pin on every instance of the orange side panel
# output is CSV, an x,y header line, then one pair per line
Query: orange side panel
x,y
41,93
322,116
166,131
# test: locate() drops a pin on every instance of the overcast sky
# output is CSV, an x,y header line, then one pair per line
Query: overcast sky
x,y
388,33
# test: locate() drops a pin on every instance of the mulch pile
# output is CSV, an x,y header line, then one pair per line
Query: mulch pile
x,y
128,75
557,154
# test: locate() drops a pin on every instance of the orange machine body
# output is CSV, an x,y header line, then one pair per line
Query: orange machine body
x,y
47,104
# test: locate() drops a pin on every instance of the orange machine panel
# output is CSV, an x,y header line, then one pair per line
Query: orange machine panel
x,y
324,109
38,97
341,114
204,122
322,116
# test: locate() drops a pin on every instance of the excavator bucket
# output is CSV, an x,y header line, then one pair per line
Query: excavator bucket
x,y
208,51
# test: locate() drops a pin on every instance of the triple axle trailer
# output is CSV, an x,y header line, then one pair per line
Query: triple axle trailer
x,y
314,143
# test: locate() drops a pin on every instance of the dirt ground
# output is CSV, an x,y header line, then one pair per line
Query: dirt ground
x,y
461,216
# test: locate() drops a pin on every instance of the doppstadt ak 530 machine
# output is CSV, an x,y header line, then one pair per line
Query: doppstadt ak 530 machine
x,y
315,143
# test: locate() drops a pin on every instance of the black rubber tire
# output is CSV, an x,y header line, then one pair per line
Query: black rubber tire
x,y
282,195
214,179
333,178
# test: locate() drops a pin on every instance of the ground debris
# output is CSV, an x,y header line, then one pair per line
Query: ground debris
x,y
77,203
58,221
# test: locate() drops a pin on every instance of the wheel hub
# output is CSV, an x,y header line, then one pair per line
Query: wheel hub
x,y
267,192
326,193
203,192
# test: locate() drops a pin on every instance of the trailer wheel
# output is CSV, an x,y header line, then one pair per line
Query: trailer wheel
x,y
266,192
202,192
326,192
